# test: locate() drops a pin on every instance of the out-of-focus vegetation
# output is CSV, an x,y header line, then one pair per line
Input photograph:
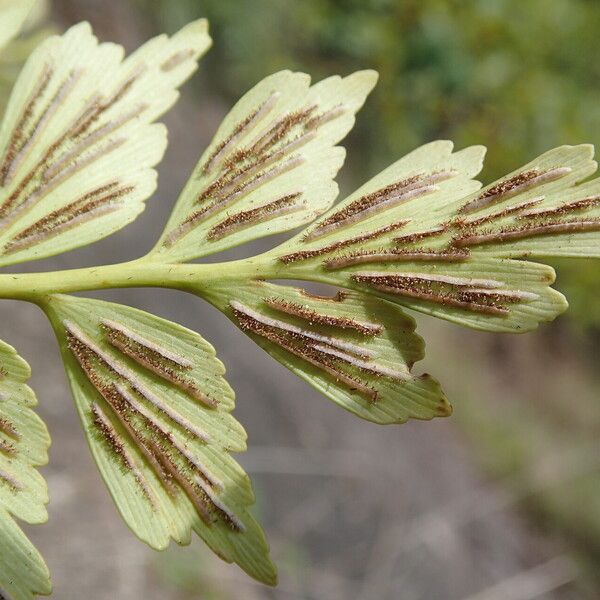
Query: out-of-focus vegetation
x,y
518,77
15,54
534,423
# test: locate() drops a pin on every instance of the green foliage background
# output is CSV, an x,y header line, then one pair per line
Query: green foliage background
x,y
518,77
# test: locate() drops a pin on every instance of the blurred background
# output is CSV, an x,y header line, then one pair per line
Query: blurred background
x,y
499,502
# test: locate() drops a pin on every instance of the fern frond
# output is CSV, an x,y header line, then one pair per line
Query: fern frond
x,y
77,143
357,350
270,167
24,443
78,147
156,411
424,235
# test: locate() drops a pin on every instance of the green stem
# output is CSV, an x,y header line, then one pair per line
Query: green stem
x,y
138,273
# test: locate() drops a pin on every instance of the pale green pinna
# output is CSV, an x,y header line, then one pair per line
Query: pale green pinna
x,y
78,148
